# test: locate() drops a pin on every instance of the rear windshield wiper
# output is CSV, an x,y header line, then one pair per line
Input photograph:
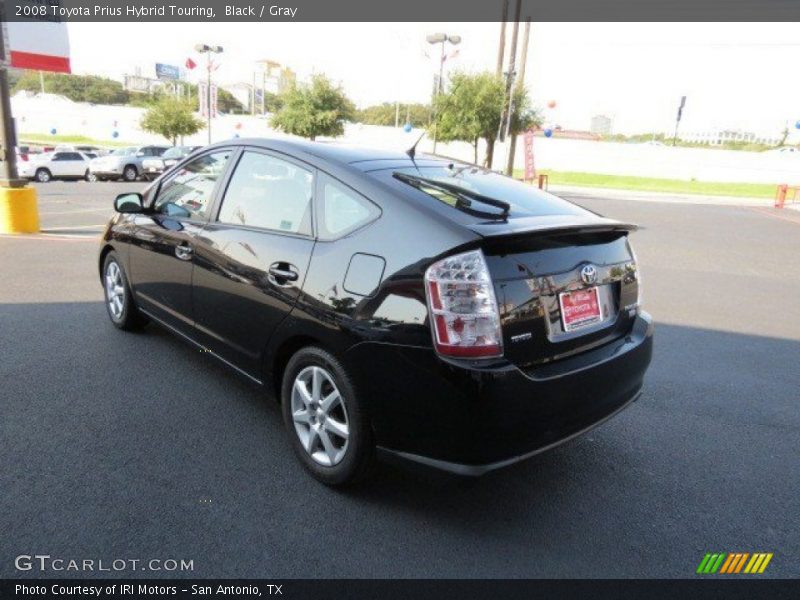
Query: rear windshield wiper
x,y
464,198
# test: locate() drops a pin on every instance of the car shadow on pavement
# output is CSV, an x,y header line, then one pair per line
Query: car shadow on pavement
x,y
101,427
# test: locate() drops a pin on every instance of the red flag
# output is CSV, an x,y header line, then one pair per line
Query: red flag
x,y
190,64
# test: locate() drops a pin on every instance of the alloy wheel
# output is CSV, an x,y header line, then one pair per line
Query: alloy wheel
x,y
320,416
115,291
130,174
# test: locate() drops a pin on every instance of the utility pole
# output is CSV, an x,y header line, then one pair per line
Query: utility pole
x,y
505,121
519,86
502,48
253,96
678,120
8,141
208,50
18,210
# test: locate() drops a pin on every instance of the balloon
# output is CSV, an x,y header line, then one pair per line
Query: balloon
x,y
407,127
115,134
548,133
551,104
797,125
238,126
53,131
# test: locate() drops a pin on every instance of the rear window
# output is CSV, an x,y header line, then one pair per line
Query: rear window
x,y
524,199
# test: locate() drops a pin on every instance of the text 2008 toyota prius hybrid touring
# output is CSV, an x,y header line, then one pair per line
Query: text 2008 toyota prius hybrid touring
x,y
433,310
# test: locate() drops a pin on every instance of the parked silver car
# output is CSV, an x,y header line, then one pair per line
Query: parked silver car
x,y
55,165
124,163
153,167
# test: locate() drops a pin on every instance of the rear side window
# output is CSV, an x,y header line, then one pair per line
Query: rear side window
x,y
269,193
187,193
342,209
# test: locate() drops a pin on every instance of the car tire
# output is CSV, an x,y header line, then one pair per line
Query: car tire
x,y
90,176
315,429
130,173
43,175
120,305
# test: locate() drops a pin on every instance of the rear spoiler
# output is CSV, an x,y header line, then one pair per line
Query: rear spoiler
x,y
550,224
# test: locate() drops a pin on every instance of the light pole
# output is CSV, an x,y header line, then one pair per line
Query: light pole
x,y
208,51
440,38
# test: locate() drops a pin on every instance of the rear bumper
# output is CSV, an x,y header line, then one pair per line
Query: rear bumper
x,y
471,419
107,171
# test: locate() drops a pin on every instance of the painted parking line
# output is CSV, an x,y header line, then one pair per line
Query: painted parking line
x,y
70,227
53,237
770,212
73,212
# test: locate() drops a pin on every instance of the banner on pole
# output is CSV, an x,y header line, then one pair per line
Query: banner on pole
x,y
213,100
530,169
202,98
38,44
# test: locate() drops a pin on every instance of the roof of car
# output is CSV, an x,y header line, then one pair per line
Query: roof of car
x,y
346,154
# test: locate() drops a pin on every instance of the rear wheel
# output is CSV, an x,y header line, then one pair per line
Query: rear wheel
x,y
130,173
120,305
43,175
89,176
326,420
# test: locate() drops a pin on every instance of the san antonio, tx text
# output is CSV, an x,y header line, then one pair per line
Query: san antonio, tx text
x,y
127,589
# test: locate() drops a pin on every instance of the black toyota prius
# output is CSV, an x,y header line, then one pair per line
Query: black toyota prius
x,y
394,303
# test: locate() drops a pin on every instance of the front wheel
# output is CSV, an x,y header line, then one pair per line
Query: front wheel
x,y
120,305
327,423
90,176
130,173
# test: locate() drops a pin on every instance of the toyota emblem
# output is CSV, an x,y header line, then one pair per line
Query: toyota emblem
x,y
589,274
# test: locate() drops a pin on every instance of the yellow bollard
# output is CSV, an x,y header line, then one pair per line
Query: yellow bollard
x,y
18,210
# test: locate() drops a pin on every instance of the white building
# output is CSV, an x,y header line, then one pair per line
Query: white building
x,y
601,125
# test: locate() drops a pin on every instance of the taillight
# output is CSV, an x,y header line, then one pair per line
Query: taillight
x,y
463,309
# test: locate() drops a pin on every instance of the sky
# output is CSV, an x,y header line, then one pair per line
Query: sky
x,y
735,75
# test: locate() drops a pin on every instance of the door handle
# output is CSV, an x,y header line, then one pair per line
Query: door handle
x,y
183,252
283,272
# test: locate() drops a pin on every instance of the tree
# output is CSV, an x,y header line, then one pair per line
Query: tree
x,y
471,109
171,117
78,88
318,109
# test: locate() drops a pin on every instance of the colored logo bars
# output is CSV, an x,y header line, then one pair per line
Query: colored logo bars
x,y
734,562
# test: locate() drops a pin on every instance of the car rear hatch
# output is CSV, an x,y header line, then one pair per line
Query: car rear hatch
x,y
564,284
565,278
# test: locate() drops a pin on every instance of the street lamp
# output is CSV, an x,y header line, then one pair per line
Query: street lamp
x,y
208,51
441,38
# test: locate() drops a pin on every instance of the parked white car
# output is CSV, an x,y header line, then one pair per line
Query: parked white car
x,y
55,165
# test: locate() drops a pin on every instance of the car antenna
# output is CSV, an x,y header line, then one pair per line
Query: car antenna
x,y
412,152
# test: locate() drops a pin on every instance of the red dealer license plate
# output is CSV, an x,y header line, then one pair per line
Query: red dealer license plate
x,y
580,308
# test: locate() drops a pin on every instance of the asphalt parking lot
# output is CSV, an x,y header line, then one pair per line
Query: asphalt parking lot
x,y
135,446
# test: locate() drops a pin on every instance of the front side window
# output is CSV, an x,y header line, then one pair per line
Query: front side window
x,y
343,210
270,193
187,193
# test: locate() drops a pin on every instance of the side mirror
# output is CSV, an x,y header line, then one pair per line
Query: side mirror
x,y
129,203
